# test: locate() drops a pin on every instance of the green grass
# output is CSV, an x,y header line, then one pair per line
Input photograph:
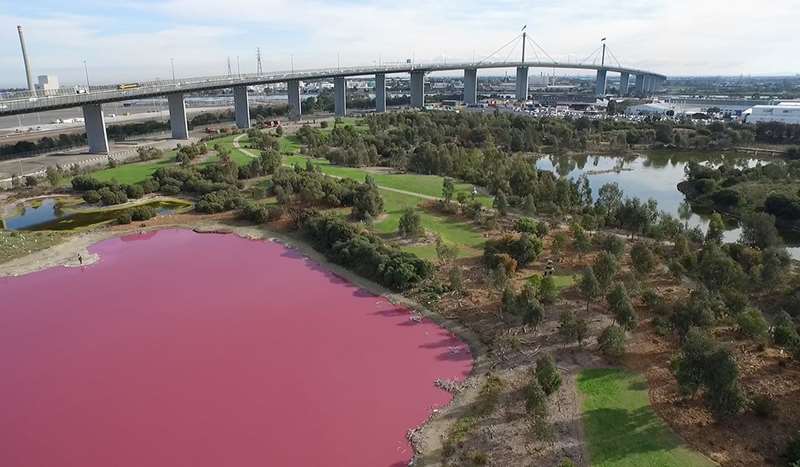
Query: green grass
x,y
454,231
561,281
622,430
427,185
134,173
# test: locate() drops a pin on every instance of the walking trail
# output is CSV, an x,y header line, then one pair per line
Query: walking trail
x,y
250,153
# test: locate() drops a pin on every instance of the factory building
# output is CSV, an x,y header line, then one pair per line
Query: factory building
x,y
785,112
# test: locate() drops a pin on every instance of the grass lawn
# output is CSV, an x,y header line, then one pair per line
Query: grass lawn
x,y
461,233
134,173
428,185
237,155
621,428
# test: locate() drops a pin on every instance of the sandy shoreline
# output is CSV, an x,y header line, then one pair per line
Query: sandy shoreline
x,y
427,438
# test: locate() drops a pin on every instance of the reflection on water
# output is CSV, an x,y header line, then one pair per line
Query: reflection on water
x,y
30,215
49,215
652,176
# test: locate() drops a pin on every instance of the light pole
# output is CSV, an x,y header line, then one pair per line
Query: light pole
x,y
86,72
172,66
291,59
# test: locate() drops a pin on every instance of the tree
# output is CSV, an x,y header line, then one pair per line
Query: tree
x,y
547,374
717,270
559,242
612,342
643,259
620,306
529,206
367,199
758,230
605,268
784,333
548,292
445,251
456,278
716,228
590,288
448,189
411,223
704,364
752,324
581,330
54,175
501,203
567,326
581,242
535,399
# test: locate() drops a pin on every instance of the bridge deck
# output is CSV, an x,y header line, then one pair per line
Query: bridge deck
x,y
24,102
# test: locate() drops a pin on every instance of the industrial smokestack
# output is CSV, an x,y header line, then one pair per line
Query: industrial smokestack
x,y
28,73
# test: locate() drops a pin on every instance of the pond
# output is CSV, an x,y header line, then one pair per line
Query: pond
x,y
50,216
187,349
653,175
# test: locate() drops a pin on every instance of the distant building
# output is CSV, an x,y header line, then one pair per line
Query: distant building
x,y
785,112
655,108
47,83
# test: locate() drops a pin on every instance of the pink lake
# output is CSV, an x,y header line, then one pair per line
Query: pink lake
x,y
186,349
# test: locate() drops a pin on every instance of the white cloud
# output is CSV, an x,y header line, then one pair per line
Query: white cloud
x,y
674,37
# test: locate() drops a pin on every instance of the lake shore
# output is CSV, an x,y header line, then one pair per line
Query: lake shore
x,y
426,439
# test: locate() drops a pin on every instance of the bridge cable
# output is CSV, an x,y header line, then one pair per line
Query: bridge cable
x,y
511,52
536,44
586,60
498,50
608,49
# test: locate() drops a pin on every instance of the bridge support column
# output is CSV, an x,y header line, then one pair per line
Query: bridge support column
x,y
380,92
522,83
293,88
624,79
649,84
95,124
177,116
418,89
639,87
600,83
241,107
470,86
340,96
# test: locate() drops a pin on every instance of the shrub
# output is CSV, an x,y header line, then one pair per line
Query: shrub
x,y
548,292
547,374
612,342
134,191
410,223
535,399
142,213
643,259
523,248
364,253
526,224
704,364
91,197
124,218
753,325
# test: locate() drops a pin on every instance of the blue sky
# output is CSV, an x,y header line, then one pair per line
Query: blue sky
x,y
128,41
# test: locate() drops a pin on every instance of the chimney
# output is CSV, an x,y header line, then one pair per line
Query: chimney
x,y
28,73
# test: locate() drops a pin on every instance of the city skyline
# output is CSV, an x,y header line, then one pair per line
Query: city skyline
x,y
136,41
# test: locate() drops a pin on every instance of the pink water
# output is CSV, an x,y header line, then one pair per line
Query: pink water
x,y
187,349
